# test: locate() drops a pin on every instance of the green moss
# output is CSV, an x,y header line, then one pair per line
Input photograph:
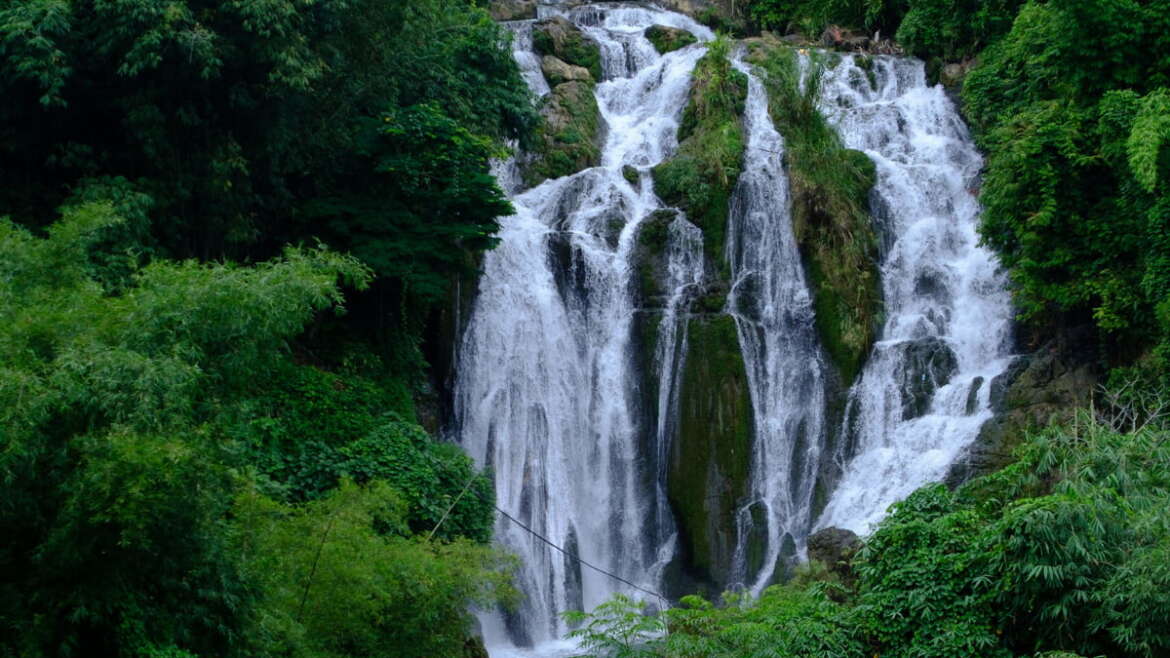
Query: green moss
x,y
713,302
573,46
668,39
630,174
711,456
702,175
865,63
567,138
830,197
649,264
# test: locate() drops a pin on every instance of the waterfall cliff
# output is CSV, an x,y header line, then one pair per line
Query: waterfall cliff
x,y
648,386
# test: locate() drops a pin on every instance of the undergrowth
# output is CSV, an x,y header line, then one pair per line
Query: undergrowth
x,y
830,193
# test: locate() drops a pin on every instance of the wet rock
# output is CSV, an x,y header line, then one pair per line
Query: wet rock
x,y
835,547
973,396
928,364
631,175
710,455
512,10
756,548
1034,392
557,71
669,39
650,261
558,37
952,74
568,139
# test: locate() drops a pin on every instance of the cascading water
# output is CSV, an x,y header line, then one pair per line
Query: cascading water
x,y
554,394
924,392
546,390
774,317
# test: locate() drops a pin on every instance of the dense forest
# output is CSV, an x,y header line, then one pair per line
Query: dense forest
x,y
232,236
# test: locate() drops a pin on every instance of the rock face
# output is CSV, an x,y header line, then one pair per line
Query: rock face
x,y
710,457
569,137
558,37
557,71
669,39
512,10
1032,393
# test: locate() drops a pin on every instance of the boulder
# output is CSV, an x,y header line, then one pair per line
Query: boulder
x,y
669,39
558,37
928,364
557,71
835,547
512,10
569,137
952,75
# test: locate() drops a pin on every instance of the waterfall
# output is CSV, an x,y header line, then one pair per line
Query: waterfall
x,y
773,311
559,392
547,393
924,393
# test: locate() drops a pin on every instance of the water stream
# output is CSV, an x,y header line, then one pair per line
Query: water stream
x,y
551,387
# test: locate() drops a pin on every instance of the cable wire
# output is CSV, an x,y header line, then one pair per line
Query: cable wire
x,y
577,558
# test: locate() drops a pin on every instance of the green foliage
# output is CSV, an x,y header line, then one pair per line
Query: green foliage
x,y
339,579
792,621
445,199
701,176
924,589
1063,553
666,40
567,140
954,29
812,16
617,628
1074,194
1043,554
830,189
126,421
113,490
254,124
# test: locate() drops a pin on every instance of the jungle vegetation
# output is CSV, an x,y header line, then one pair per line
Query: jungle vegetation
x,y
224,229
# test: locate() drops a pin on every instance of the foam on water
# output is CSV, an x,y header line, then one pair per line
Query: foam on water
x,y
945,297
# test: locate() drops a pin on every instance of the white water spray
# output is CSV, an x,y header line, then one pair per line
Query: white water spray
x,y
545,393
924,393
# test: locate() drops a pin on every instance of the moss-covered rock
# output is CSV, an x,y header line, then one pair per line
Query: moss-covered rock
x,y
649,259
631,174
558,37
701,177
669,39
557,71
710,457
568,137
830,187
